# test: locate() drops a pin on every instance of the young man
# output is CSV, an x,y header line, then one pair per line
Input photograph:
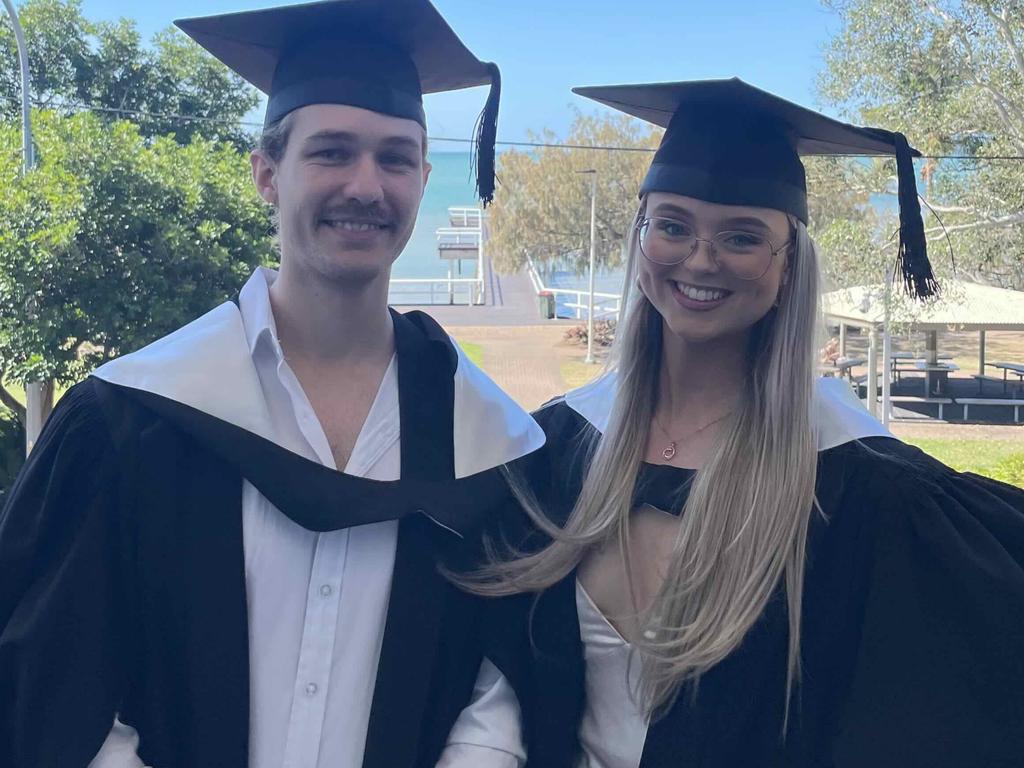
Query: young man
x,y
227,548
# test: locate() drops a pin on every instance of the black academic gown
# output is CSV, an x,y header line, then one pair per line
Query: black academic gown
x,y
123,583
913,625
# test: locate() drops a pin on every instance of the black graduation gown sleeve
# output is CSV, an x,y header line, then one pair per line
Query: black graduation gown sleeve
x,y
545,667
63,602
939,680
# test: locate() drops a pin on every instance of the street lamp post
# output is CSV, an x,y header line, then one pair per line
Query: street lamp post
x,y
36,393
593,250
28,158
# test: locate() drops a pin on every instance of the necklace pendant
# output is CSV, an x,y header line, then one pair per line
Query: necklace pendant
x,y
669,452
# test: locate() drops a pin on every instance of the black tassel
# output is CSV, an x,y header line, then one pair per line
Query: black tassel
x,y
915,268
486,136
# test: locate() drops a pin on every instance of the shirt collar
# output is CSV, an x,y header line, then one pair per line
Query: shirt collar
x,y
257,314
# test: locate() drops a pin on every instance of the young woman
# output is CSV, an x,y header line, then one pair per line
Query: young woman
x,y
728,563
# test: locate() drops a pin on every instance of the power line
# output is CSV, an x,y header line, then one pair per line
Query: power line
x,y
531,144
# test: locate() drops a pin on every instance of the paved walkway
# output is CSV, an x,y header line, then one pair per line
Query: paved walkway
x,y
525,361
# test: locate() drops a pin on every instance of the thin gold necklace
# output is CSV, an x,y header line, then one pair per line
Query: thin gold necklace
x,y
669,453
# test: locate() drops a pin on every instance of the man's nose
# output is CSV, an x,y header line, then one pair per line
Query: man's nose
x,y
363,183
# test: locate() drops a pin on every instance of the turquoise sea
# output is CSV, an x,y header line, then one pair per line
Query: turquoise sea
x,y
450,184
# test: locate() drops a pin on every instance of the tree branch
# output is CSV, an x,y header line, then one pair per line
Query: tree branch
x,y
1007,34
1003,106
1002,221
950,208
1001,102
11,402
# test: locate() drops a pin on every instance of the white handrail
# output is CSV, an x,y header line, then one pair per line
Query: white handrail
x,y
600,309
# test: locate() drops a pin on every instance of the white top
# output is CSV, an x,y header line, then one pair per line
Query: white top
x,y
614,727
318,601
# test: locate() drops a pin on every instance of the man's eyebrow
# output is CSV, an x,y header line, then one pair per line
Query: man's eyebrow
x,y
397,142
329,135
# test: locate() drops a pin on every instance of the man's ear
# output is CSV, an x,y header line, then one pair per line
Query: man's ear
x,y
264,176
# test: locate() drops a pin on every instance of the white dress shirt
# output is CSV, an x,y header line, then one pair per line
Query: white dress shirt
x,y
318,601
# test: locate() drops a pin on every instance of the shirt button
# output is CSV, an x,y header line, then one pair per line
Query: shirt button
x,y
325,590
311,689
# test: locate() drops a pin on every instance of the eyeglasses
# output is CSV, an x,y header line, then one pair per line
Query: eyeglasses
x,y
668,242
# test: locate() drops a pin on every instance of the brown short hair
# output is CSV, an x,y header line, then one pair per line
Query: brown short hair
x,y
274,139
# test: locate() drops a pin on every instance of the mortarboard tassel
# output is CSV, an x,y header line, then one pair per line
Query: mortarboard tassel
x,y
486,136
913,261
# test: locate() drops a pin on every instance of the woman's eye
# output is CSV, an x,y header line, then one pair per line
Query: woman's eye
x,y
742,240
673,228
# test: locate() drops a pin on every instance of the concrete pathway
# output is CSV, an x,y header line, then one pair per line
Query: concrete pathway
x,y
525,361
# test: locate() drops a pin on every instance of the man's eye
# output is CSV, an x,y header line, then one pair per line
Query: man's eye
x,y
332,155
397,159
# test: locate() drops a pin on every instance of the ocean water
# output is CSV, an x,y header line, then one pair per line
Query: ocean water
x,y
450,184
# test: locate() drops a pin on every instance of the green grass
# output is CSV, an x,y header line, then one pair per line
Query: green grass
x,y
18,392
998,459
576,373
474,352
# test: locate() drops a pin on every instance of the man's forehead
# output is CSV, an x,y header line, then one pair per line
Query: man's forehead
x,y
337,120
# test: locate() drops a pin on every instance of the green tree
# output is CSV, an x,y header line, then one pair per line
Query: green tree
x,y
115,240
949,74
856,239
542,206
77,64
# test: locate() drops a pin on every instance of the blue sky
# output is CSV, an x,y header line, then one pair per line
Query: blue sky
x,y
544,47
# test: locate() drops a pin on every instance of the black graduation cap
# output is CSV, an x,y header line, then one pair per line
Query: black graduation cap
x,y
381,55
729,142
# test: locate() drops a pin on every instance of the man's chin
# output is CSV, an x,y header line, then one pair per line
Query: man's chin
x,y
355,267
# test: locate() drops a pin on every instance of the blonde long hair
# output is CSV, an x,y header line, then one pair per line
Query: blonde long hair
x,y
744,525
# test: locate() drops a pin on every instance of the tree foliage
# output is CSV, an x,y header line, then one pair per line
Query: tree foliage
x,y
105,66
949,74
542,206
114,240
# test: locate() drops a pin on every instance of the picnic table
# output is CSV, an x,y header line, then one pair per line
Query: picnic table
x,y
901,362
1016,369
842,366
936,376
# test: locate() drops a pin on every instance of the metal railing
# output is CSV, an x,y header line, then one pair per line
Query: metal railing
x,y
430,290
464,216
605,304
457,238
464,239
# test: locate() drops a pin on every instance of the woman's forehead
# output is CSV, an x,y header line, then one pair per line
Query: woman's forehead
x,y
669,204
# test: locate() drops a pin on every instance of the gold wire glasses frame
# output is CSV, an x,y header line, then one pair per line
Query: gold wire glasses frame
x,y
747,255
